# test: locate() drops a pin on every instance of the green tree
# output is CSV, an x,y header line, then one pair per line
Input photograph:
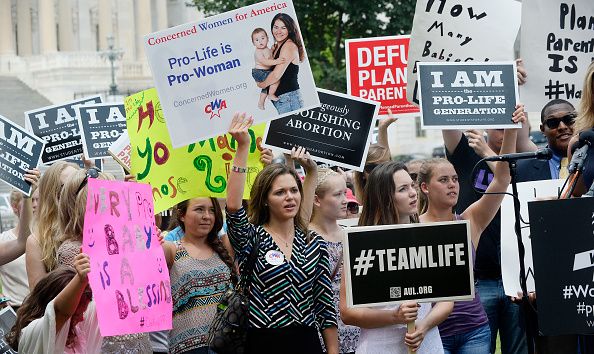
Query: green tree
x,y
325,24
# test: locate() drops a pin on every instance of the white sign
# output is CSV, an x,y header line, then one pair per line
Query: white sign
x,y
207,70
557,40
461,31
510,262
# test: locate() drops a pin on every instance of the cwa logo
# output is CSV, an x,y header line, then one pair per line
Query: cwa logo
x,y
215,107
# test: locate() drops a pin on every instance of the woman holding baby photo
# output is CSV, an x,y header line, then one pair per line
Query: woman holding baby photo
x,y
287,46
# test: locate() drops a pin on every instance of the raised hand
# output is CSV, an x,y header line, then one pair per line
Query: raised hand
x,y
239,128
82,265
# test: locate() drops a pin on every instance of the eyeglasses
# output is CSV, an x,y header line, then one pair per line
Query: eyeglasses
x,y
353,208
568,120
91,173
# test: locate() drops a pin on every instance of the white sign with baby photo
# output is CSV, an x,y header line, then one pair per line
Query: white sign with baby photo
x,y
251,59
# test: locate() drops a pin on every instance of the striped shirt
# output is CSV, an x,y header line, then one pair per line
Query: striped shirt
x,y
293,293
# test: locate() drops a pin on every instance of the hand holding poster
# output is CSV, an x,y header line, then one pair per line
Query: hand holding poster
x,y
460,31
243,60
468,95
19,151
58,126
175,175
100,125
421,262
557,45
376,70
337,133
129,276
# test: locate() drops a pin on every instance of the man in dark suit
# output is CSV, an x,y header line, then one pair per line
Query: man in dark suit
x,y
557,118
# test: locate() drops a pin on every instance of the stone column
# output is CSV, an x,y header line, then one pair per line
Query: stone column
x,y
126,37
161,8
24,43
65,29
6,30
47,27
105,23
144,25
86,41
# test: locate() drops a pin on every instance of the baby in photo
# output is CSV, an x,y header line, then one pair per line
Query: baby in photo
x,y
263,65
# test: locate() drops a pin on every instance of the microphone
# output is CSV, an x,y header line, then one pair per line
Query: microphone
x,y
581,151
541,154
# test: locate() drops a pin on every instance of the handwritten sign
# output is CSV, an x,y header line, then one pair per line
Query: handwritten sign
x,y
376,70
175,175
557,46
58,126
207,70
100,125
129,276
460,31
19,151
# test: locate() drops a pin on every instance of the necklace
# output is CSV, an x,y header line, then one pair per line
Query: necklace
x,y
273,234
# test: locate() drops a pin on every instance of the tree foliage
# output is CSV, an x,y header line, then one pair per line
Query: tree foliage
x,y
325,24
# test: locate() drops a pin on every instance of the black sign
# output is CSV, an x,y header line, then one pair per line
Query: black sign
x,y
7,320
57,125
19,151
100,124
77,160
338,132
562,234
422,262
467,95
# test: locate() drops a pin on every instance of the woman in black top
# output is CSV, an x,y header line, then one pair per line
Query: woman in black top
x,y
290,47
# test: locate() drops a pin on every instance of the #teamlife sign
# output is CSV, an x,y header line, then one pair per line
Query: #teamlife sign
x,y
467,95
19,151
129,275
376,70
100,125
563,252
58,126
394,263
207,70
337,133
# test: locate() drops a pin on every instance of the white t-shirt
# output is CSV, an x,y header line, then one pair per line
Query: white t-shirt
x,y
14,275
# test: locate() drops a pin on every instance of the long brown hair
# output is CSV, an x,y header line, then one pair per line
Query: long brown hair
x,y
379,205
585,119
258,212
33,307
376,154
212,239
293,32
424,176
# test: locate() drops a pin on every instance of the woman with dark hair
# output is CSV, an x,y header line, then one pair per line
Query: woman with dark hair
x,y
50,321
201,271
288,46
391,198
289,289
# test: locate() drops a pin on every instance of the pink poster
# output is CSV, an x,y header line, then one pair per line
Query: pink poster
x,y
129,276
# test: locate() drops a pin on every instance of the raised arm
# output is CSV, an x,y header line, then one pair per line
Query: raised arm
x,y
451,139
288,52
11,250
382,130
33,261
236,183
310,182
66,302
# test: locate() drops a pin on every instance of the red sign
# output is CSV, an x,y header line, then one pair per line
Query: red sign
x,y
376,70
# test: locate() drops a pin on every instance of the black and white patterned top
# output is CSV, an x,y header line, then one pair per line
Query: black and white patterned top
x,y
297,292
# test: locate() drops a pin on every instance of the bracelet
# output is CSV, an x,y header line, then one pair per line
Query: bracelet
x,y
238,169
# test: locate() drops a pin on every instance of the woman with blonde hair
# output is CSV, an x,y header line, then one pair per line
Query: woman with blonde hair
x,y
41,247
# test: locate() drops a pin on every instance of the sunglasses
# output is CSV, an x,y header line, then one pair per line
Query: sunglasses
x,y
568,120
91,173
352,208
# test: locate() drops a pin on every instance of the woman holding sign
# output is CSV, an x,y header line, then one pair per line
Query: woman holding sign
x,y
290,291
466,330
391,198
289,47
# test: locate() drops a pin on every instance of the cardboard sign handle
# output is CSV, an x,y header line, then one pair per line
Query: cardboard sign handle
x,y
410,328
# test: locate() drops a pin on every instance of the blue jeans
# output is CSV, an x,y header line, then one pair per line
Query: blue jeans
x,y
288,102
476,341
504,316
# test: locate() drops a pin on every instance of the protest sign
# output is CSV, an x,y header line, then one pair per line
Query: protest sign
x,y
120,150
563,253
205,71
468,95
376,70
100,125
461,31
557,45
510,263
420,262
7,321
19,151
129,275
58,126
197,170
337,133
78,160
